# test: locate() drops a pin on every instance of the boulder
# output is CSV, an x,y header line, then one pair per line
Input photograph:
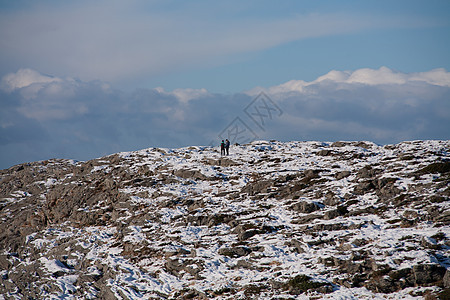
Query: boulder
x,y
245,235
342,174
257,187
331,214
305,207
428,273
446,279
238,251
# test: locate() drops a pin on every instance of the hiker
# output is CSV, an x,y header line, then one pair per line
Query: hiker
x,y
222,148
227,146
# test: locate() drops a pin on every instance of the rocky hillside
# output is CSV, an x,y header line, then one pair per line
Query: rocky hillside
x,y
303,220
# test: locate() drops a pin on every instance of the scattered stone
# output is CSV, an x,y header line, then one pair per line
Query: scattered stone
x,y
140,217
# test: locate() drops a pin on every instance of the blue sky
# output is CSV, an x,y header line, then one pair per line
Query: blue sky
x,y
224,47
67,66
405,46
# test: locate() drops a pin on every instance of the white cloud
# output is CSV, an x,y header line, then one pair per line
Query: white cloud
x,y
75,119
366,76
437,77
385,75
24,78
44,97
184,95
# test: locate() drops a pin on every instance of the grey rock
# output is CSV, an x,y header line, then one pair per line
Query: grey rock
x,y
331,214
382,284
244,264
364,187
446,279
324,152
298,246
190,174
427,273
342,174
311,174
245,235
257,187
443,217
340,144
238,251
174,266
305,207
306,219
367,172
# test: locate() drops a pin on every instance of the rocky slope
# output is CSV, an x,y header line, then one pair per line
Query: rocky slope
x,y
273,220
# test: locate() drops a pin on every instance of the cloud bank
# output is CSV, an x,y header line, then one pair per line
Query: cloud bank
x,y
44,117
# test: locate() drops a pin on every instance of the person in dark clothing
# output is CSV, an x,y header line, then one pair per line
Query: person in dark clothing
x,y
222,148
227,146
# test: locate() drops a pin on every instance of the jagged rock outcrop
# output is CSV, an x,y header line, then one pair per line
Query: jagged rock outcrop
x,y
272,220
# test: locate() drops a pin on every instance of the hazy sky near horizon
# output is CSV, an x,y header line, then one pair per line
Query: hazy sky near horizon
x,y
81,79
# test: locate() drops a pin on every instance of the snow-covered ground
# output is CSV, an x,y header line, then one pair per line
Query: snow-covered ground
x,y
179,223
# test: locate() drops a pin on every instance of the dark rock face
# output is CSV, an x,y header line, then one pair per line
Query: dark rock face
x,y
425,274
186,174
418,275
305,207
339,211
189,224
235,251
257,187
446,279
438,167
342,174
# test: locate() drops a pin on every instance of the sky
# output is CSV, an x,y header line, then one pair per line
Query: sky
x,y
83,79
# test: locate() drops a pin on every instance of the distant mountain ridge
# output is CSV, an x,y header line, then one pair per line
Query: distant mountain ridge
x,y
272,220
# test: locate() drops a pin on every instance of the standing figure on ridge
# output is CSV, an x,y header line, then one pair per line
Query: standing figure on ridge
x,y
227,146
222,148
